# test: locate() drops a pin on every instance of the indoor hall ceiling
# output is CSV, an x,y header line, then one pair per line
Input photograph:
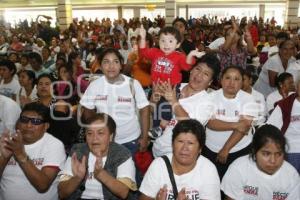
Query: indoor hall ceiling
x,y
37,3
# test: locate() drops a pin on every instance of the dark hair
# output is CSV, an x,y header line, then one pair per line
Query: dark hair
x,y
190,126
9,65
35,56
285,42
239,69
30,74
182,20
107,119
281,78
171,30
39,108
73,55
248,73
113,51
212,62
44,76
48,49
264,134
24,55
282,35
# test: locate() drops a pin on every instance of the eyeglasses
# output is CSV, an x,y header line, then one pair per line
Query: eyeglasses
x,y
34,121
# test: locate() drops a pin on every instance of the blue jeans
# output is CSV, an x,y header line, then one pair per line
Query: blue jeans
x,y
294,159
133,147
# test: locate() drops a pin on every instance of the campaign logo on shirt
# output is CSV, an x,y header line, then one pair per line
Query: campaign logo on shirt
x,y
101,97
163,65
295,118
172,122
191,194
279,195
251,190
221,112
236,113
124,99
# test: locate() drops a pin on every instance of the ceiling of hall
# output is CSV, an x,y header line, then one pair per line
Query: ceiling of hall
x,y
31,3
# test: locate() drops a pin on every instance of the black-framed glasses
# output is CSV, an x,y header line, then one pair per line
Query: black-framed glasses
x,y
34,121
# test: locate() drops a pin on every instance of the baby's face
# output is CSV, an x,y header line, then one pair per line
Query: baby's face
x,y
167,43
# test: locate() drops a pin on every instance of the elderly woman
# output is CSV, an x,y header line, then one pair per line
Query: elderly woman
x,y
107,170
195,176
274,66
263,174
227,131
202,75
122,98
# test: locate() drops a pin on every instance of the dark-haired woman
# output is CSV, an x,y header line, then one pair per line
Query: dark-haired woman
x,y
274,66
121,97
28,90
195,176
9,86
228,131
285,86
263,174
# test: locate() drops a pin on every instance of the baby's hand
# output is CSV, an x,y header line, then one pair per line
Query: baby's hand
x,y
142,32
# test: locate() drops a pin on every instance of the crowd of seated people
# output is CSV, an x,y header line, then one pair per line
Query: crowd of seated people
x,y
211,105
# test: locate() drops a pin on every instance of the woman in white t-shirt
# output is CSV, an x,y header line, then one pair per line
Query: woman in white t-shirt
x,y
285,86
274,66
228,131
264,174
9,86
194,100
122,98
28,91
195,176
105,169
286,117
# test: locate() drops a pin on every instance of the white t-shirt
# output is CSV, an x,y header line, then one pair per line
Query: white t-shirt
x,y
10,89
93,188
295,193
273,98
292,134
271,50
118,102
198,107
217,43
294,69
9,113
260,100
230,110
244,181
22,92
273,64
202,182
46,152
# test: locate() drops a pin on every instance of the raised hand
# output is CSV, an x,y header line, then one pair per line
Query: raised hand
x,y
181,195
142,32
16,145
162,193
98,168
4,151
79,167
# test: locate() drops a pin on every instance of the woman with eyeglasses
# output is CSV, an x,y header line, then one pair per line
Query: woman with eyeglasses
x,y
30,158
